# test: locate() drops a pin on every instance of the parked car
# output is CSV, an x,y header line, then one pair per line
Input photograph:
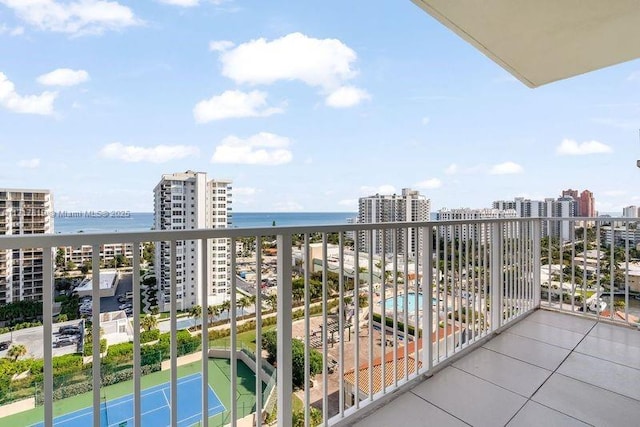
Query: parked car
x,y
125,306
4,345
64,341
122,298
128,311
69,330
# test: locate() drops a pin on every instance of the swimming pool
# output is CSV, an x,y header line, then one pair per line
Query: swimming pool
x,y
411,302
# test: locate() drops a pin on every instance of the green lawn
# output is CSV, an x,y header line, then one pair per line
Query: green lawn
x,y
246,339
219,379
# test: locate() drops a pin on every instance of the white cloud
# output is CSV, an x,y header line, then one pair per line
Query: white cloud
x,y
383,189
570,147
452,169
261,149
156,154
74,17
181,3
506,168
323,63
29,164
425,121
64,77
17,31
429,184
220,45
346,96
30,104
244,191
234,104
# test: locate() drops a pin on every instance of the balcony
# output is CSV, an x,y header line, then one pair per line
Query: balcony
x,y
491,323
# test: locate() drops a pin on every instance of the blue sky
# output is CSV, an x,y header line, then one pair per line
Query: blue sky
x,y
305,108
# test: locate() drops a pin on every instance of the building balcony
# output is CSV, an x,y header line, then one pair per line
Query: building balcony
x,y
492,322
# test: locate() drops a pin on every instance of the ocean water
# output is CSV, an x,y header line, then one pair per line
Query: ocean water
x,y
103,222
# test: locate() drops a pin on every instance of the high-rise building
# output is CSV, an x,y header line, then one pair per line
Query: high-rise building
x,y
21,270
562,207
586,204
410,206
185,201
474,232
630,212
570,193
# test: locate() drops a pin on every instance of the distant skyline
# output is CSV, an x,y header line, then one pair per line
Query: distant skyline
x,y
304,108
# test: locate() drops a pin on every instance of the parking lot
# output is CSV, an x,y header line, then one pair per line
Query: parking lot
x,y
32,339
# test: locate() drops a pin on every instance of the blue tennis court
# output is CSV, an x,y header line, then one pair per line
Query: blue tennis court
x,y
155,407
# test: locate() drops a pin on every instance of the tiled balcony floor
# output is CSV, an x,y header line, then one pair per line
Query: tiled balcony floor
x,y
548,370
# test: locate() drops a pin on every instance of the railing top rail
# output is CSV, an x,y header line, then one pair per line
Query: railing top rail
x,y
78,239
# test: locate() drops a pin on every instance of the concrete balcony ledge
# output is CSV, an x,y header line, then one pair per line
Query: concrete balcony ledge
x,y
550,368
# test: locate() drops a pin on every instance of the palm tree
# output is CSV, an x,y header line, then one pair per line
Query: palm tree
x,y
252,300
226,306
195,312
243,303
272,300
149,322
212,311
16,351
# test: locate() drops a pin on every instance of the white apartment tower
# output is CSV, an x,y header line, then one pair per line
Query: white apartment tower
x,y
409,206
23,212
186,201
474,232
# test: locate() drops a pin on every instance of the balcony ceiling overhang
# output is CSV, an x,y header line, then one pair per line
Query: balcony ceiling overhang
x,y
542,41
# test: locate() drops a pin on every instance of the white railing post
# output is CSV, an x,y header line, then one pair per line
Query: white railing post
x,y
496,275
537,253
48,285
427,297
284,319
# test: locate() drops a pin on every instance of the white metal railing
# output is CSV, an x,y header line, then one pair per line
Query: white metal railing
x,y
379,321
592,266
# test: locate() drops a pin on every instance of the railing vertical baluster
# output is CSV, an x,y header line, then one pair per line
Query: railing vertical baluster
x,y
572,228
307,333
612,270
427,298
537,255
325,332
383,309
258,306
549,261
137,373
95,333
284,318
233,313
405,309
341,322
471,292
173,324
445,281
584,267
47,329
560,265
356,319
598,244
394,276
626,273
457,286
496,276
439,230
205,271
371,302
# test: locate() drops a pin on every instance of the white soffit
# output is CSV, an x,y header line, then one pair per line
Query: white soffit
x,y
542,41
